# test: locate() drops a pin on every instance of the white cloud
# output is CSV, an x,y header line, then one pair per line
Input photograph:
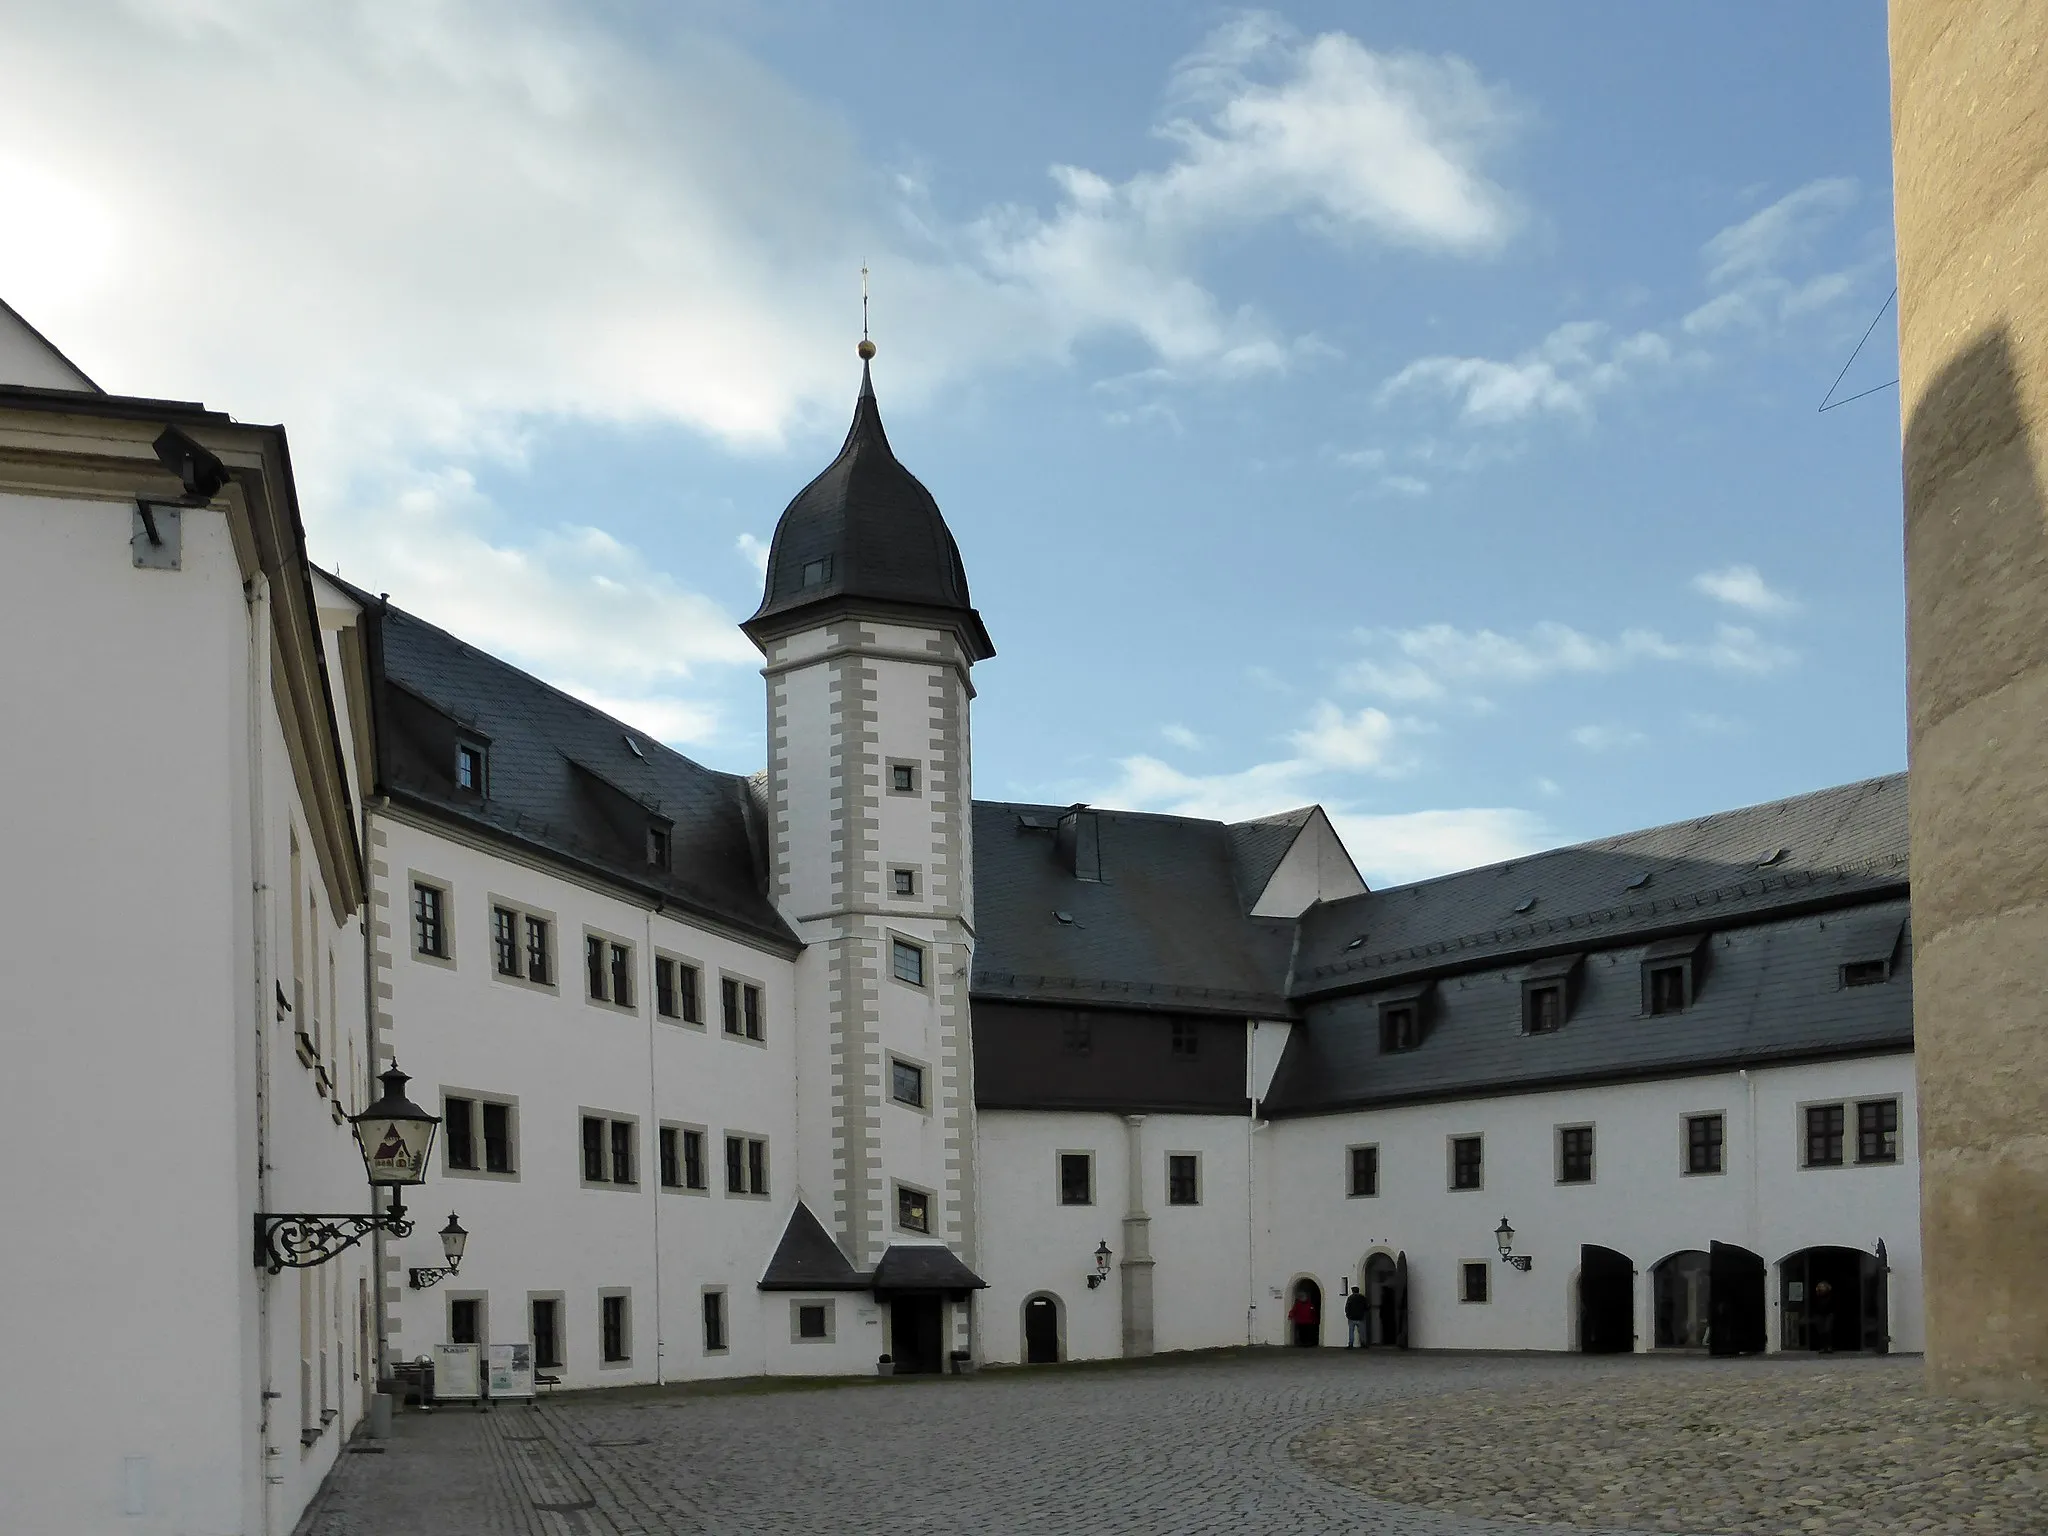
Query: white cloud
x,y
754,551
1787,229
1182,737
1362,743
413,232
1746,262
570,601
1443,662
1743,586
1266,125
1607,738
1394,849
1561,376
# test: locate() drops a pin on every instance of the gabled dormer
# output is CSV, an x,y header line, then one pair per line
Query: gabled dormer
x,y
1285,864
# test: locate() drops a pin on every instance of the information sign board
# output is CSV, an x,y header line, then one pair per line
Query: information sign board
x,y
456,1378
511,1370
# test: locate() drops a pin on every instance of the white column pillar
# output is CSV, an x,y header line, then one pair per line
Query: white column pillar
x,y
1137,1260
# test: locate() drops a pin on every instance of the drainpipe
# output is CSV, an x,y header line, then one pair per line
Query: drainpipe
x,y
654,1118
1251,1184
257,596
1137,1261
380,1366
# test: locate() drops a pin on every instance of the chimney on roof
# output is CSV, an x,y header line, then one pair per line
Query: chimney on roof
x,y
1079,840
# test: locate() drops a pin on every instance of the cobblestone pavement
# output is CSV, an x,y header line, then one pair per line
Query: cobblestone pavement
x,y
1185,1446
1840,1447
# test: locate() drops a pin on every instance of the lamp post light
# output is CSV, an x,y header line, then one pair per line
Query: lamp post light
x,y
453,1241
1101,1266
1504,1235
394,1135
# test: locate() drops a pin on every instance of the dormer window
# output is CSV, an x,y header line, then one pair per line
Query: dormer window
x,y
1867,946
817,572
657,847
469,768
1403,1017
1548,988
1397,1028
1671,974
1667,989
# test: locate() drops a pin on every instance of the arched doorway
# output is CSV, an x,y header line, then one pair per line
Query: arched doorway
x,y
1681,1294
1736,1287
1607,1301
1305,1315
1042,1330
1834,1299
1386,1302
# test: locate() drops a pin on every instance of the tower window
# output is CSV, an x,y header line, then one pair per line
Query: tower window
x,y
903,881
906,961
913,1209
903,778
817,572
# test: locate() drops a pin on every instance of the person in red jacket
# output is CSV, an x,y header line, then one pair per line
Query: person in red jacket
x,y
1303,1316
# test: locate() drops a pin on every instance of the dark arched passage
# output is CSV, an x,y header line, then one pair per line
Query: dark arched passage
x,y
1834,1299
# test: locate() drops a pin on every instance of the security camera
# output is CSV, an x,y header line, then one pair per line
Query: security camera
x,y
198,471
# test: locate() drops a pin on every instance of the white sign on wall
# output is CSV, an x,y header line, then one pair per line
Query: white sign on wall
x,y
455,1373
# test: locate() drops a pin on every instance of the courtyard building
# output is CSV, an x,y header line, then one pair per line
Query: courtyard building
x,y
832,1069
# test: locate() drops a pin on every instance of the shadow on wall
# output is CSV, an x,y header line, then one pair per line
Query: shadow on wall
x,y
1977,625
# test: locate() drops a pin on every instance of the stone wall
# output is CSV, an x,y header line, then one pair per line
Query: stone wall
x,y
1970,142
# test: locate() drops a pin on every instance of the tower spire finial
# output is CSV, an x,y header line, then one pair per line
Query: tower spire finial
x,y
866,347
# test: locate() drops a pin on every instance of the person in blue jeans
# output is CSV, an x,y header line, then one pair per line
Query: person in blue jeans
x,y
1354,1321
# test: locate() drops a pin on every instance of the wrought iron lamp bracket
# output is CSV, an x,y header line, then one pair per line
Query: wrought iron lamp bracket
x,y
305,1240
425,1279
1522,1261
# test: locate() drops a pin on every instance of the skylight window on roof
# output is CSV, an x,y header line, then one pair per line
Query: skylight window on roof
x,y
1357,943
1776,856
633,747
1066,918
1526,904
1639,882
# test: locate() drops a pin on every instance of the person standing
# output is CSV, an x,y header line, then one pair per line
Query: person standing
x,y
1824,1318
1354,1320
1303,1316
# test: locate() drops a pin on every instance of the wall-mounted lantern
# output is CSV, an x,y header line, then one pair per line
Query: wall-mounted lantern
x,y
1101,1266
1504,1235
453,1241
394,1135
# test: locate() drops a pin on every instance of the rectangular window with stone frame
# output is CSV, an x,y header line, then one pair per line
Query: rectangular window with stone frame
x,y
1705,1136
1468,1162
1824,1136
1472,1282
429,920
1077,1178
1183,1179
1363,1165
1575,1154
1877,1131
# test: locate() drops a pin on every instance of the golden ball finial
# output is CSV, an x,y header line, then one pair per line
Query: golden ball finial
x,y
866,349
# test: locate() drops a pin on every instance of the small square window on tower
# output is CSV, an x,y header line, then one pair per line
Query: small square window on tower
x,y
903,882
902,778
906,962
816,573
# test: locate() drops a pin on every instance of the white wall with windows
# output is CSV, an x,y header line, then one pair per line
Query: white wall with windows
x,y
603,1088
1640,1198
186,1016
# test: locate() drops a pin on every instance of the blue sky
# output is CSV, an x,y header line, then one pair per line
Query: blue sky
x,y
1410,408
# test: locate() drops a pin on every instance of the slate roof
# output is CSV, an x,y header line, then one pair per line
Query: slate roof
x,y
880,532
924,1267
1771,991
808,1260
1257,847
1827,848
1165,927
563,778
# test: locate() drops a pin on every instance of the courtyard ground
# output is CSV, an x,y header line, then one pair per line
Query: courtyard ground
x,y
1247,1442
